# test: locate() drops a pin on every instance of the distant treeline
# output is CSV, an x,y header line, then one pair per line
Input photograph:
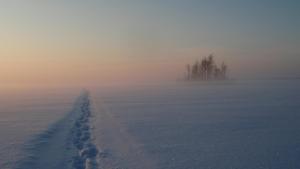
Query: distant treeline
x,y
206,69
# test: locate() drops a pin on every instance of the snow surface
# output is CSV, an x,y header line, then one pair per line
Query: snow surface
x,y
67,143
232,125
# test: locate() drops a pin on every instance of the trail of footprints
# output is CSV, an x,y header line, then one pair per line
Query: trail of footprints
x,y
82,141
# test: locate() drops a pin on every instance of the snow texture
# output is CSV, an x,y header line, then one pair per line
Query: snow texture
x,y
66,144
238,125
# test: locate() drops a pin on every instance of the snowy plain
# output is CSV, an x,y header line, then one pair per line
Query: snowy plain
x,y
232,125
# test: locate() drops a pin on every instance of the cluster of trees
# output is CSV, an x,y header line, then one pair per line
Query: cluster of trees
x,y
206,69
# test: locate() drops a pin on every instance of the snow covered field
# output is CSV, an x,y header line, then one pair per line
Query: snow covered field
x,y
233,125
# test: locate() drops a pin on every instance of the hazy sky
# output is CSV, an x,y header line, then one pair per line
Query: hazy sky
x,y
92,41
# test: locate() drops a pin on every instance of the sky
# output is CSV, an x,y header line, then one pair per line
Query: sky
x,y
103,41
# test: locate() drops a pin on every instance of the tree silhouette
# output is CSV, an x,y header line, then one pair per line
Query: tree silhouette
x,y
206,69
188,69
223,70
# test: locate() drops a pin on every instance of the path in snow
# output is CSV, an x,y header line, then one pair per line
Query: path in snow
x,y
66,144
69,143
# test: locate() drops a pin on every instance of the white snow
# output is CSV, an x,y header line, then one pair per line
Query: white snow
x,y
241,125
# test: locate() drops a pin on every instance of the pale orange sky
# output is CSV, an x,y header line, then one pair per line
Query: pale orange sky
x,y
74,42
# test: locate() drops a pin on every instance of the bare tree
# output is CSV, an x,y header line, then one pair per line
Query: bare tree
x,y
188,68
204,64
223,70
206,69
210,66
195,70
